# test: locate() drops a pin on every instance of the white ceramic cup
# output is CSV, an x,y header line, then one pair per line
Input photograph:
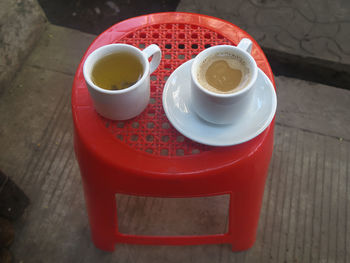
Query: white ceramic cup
x,y
224,108
126,103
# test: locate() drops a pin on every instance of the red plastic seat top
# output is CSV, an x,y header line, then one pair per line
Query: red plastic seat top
x,y
146,156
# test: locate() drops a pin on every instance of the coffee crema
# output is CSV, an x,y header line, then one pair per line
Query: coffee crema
x,y
117,71
223,73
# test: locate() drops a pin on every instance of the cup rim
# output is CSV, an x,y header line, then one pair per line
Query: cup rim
x,y
115,46
249,57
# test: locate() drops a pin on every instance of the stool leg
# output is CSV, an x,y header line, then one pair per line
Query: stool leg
x,y
244,217
102,211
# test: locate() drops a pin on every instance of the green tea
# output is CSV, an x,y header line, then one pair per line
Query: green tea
x,y
117,71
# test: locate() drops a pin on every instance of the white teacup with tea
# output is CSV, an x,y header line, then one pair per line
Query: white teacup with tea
x,y
118,79
222,82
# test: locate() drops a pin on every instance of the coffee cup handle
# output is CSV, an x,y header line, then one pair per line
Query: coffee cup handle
x,y
153,50
246,45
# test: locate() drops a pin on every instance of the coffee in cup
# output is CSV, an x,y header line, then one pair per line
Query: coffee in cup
x,y
222,82
223,73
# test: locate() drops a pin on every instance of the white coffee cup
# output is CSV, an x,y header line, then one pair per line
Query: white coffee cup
x,y
224,108
126,103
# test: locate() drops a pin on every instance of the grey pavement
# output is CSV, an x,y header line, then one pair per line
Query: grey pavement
x,y
305,213
306,208
313,31
18,36
318,29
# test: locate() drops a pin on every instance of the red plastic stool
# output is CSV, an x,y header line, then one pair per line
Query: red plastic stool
x,y
144,156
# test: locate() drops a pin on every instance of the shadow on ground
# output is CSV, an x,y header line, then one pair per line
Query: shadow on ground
x,y
94,16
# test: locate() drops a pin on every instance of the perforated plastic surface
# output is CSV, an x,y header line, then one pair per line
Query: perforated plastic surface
x,y
146,156
151,131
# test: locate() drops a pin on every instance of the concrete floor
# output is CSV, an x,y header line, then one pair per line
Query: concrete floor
x,y
306,208
302,39
315,29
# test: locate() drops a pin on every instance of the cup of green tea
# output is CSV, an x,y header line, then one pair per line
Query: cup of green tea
x,y
118,79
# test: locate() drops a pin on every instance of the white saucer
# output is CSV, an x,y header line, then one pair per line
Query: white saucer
x,y
178,109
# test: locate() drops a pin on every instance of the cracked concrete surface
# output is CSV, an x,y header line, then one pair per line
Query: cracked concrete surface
x,y
306,206
313,28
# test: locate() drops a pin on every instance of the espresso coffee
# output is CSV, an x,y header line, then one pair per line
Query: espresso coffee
x,y
117,71
223,73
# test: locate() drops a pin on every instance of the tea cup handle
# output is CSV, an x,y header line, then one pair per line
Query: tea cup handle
x,y
246,45
153,50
